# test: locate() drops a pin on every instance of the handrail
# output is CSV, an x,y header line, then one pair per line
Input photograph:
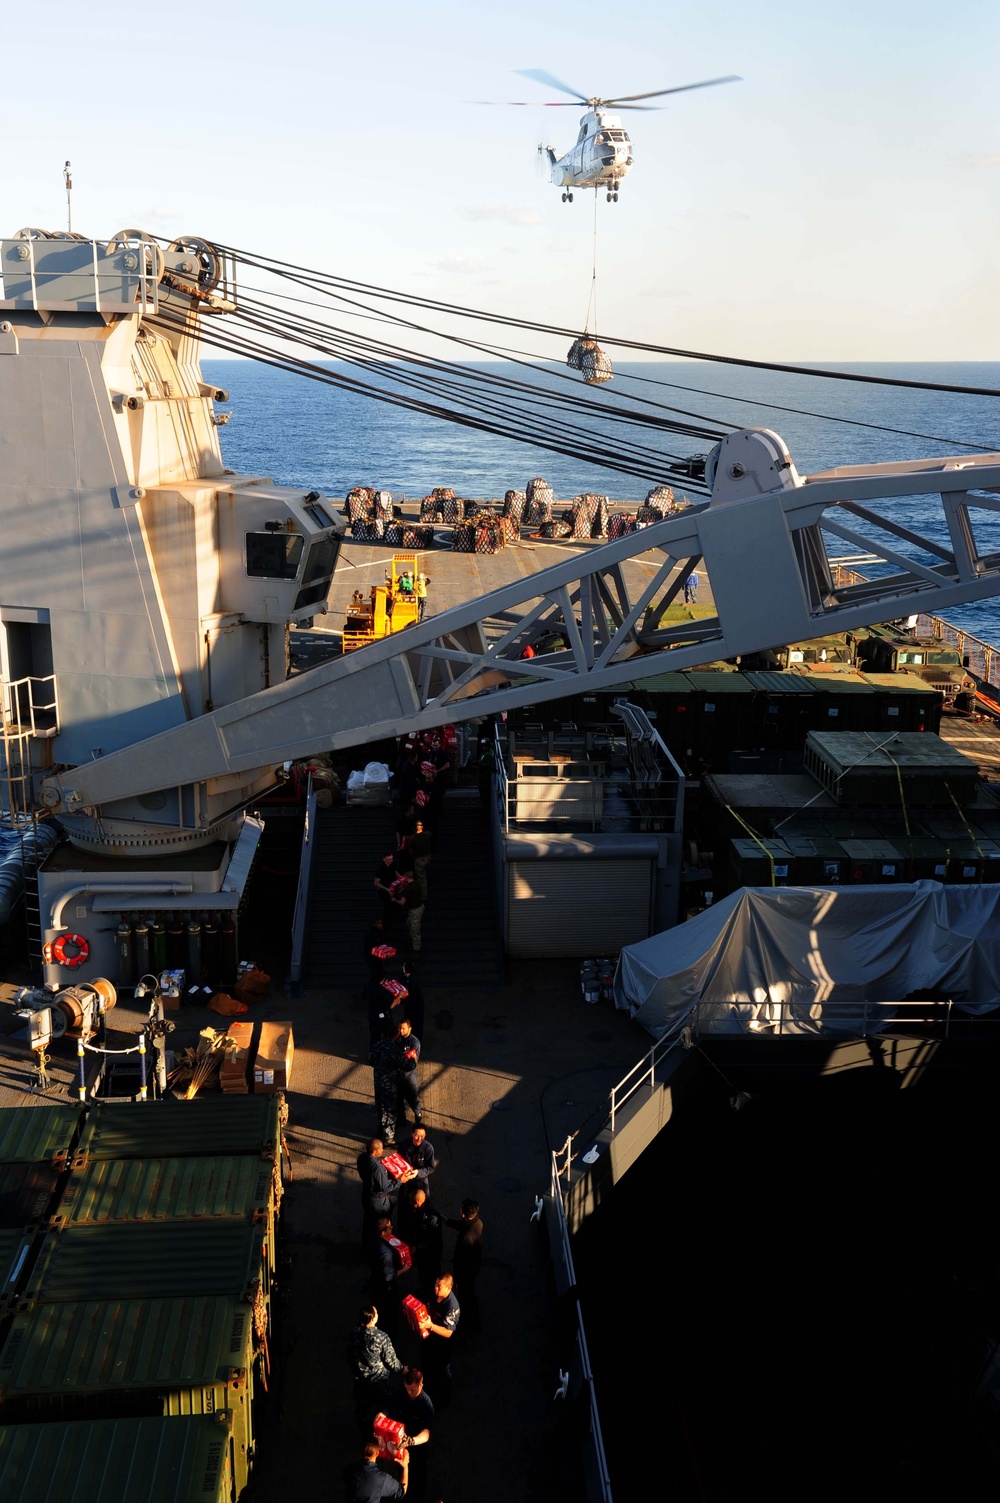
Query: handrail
x,y
302,888
984,657
764,1018
595,1435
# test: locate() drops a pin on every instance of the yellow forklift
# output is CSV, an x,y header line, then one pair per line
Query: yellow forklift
x,y
389,608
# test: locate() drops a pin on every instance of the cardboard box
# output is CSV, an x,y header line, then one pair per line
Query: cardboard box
x,y
272,1069
234,1075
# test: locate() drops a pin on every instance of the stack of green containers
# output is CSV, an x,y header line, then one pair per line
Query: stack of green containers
x,y
136,1300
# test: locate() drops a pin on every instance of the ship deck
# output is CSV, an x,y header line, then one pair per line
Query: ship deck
x,y
505,1073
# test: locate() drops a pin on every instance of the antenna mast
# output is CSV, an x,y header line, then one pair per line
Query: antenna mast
x,y
68,177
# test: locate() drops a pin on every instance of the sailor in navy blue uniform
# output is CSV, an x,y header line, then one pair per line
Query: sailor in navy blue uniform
x,y
409,1096
365,1481
378,1188
444,1314
420,1155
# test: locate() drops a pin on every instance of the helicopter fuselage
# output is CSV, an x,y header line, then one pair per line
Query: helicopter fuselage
x,y
600,158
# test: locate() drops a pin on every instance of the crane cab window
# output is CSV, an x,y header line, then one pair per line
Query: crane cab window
x,y
273,555
321,560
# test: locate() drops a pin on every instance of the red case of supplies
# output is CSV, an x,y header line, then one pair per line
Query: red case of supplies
x,y
396,1164
401,1249
416,1313
389,1433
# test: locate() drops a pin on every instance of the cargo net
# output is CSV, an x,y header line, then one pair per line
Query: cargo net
x,y
587,357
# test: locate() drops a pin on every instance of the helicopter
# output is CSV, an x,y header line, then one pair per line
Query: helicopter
x,y
602,154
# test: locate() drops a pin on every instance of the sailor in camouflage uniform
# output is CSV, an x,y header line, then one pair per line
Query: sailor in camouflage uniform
x,y
387,1059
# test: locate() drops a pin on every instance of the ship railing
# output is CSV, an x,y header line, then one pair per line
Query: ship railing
x,y
301,916
580,1391
982,659
29,706
653,793
765,1018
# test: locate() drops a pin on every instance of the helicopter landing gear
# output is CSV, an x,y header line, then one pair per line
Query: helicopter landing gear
x,y
567,198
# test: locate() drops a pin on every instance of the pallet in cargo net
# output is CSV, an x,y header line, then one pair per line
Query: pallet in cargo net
x,y
489,537
367,531
417,537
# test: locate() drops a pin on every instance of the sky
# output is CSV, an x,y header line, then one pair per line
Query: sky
x,y
839,204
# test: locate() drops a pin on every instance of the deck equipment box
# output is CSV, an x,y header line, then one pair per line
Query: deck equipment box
x,y
272,1069
875,861
234,1075
862,769
764,863
905,702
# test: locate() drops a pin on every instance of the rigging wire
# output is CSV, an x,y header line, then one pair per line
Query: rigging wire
x,y
531,359
592,301
532,391
580,400
619,459
291,269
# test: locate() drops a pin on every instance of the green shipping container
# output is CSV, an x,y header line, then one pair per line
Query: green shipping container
x,y
128,1358
178,1129
119,1461
38,1134
15,1246
139,1260
239,1187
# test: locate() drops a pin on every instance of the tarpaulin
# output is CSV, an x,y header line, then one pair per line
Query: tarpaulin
x,y
815,957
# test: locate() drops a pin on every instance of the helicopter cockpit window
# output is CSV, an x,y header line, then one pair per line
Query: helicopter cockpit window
x,y
273,555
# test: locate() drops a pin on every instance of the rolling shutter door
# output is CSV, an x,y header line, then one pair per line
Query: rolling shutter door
x,y
577,907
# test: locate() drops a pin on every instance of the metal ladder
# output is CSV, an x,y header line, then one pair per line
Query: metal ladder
x,y
29,715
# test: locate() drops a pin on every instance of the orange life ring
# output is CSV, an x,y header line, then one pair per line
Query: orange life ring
x,y
59,955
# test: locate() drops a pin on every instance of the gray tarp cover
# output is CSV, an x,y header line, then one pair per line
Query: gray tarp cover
x,y
820,952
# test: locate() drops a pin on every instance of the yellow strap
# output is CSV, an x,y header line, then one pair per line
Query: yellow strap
x,y
968,827
754,836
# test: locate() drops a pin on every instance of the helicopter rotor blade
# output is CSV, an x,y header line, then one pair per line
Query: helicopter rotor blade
x,y
550,104
540,76
706,83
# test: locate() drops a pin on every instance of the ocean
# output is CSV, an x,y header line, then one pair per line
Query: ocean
x,y
301,432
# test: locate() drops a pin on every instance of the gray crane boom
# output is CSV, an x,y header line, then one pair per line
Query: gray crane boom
x,y
761,538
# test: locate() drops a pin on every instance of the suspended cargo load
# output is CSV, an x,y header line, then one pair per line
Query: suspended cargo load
x,y
587,357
